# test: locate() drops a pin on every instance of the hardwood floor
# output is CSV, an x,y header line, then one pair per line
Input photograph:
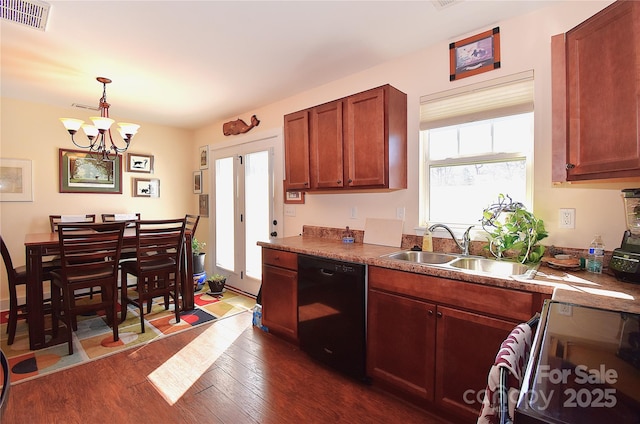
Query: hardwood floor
x,y
227,372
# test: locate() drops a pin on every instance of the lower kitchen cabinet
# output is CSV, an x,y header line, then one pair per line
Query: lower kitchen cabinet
x,y
280,292
466,347
401,334
426,343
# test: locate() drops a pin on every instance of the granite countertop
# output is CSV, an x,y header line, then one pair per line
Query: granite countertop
x,y
579,287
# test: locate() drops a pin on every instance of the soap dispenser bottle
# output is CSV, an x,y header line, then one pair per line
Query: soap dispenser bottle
x,y
427,242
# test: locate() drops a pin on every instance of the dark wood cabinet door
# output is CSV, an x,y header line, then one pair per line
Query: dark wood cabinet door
x,y
296,145
467,344
326,148
365,143
400,349
603,94
280,301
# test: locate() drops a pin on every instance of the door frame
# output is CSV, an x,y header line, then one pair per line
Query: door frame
x,y
270,138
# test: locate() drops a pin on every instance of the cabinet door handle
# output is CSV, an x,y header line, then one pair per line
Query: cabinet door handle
x,y
306,184
430,312
350,181
339,181
570,166
439,314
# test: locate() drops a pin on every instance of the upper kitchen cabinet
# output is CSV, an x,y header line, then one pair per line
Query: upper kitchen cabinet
x,y
358,142
296,135
326,147
596,96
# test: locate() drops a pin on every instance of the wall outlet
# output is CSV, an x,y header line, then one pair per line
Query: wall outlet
x,y
567,218
400,213
354,212
564,309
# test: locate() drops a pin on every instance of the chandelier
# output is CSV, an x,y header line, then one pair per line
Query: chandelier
x,y
99,134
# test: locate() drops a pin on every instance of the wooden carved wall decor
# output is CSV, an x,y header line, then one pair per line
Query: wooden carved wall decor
x,y
239,126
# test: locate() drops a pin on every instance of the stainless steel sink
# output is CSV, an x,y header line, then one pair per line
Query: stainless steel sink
x,y
493,267
469,264
422,257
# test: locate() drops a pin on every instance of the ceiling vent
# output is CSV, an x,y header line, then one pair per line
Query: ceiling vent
x,y
441,4
31,13
81,106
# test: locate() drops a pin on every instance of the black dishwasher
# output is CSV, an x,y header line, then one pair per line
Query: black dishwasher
x,y
331,313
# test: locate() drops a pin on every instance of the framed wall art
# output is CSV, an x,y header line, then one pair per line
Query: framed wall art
x,y
16,183
197,181
81,172
294,197
146,187
203,205
204,157
139,163
475,55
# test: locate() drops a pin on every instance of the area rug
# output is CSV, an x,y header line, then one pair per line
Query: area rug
x,y
94,338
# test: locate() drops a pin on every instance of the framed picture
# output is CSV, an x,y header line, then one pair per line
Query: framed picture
x,y
204,157
475,55
146,187
203,205
16,183
139,163
294,196
197,181
81,172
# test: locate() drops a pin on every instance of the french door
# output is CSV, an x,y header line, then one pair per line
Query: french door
x,y
247,208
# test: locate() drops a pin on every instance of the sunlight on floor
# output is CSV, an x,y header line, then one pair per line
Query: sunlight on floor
x,y
174,377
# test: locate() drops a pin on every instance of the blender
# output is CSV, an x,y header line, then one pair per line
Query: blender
x,y
625,262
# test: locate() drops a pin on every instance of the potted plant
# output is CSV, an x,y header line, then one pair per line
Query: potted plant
x,y
198,255
216,283
514,232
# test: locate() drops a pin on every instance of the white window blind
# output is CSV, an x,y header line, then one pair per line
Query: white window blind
x,y
503,96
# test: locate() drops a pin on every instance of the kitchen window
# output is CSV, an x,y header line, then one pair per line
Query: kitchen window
x,y
476,143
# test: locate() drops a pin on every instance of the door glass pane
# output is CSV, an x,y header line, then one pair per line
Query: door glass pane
x,y
225,224
257,196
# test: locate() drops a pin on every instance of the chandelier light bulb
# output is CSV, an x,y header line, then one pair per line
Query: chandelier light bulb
x,y
102,123
90,130
72,125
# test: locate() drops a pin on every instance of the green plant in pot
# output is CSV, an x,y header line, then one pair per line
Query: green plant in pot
x,y
216,283
513,232
198,255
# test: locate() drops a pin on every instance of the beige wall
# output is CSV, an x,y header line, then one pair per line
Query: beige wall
x,y
525,44
32,131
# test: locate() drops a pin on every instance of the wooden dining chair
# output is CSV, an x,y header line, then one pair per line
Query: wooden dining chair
x,y
17,276
157,266
55,220
89,256
192,223
129,218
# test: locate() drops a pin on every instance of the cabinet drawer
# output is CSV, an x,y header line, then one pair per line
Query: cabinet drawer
x,y
280,259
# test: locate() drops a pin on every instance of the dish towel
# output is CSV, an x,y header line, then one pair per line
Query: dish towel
x,y
512,356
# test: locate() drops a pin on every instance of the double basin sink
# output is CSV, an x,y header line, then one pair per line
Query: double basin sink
x,y
470,264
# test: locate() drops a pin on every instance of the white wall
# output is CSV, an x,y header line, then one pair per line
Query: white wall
x,y
525,44
32,131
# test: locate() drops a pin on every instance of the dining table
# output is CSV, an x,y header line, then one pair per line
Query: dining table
x,y
39,245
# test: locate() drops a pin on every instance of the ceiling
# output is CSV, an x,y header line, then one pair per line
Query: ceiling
x,y
189,63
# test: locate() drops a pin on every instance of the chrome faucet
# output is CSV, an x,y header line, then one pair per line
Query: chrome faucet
x,y
466,238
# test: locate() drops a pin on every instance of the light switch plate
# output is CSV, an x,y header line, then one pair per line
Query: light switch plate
x,y
289,210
